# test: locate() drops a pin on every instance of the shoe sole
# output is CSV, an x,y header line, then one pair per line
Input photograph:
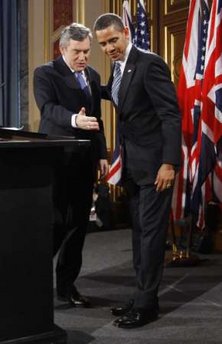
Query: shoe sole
x,y
78,305
125,326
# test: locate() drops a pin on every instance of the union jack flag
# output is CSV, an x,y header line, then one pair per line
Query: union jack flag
x,y
202,131
189,97
115,171
208,178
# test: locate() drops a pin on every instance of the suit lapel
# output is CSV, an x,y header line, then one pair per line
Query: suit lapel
x,y
125,83
127,77
90,81
70,80
63,69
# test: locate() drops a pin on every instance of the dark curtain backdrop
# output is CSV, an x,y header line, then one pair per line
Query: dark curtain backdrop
x,y
9,64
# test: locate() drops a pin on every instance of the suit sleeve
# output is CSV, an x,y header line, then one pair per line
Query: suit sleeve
x,y
106,89
164,99
100,136
47,100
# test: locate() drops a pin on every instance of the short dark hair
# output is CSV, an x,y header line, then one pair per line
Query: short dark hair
x,y
108,19
75,31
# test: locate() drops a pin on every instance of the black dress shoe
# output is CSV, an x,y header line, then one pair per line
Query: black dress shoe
x,y
75,299
121,310
136,318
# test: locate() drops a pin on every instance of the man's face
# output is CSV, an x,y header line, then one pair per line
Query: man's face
x,y
113,42
76,54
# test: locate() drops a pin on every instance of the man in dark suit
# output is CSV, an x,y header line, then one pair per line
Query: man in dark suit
x,y
67,92
150,134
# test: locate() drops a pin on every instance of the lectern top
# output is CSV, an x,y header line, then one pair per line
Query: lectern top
x,y
22,138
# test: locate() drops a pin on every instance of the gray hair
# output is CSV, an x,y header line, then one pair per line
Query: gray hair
x,y
108,19
75,31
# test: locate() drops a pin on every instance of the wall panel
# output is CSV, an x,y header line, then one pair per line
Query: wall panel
x,y
172,6
172,18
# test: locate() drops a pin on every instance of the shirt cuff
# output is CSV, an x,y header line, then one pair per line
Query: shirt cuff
x,y
73,121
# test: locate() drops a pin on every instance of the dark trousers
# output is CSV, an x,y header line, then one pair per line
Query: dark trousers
x,y
150,212
73,189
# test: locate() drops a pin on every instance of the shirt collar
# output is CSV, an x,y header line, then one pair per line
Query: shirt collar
x,y
72,70
123,63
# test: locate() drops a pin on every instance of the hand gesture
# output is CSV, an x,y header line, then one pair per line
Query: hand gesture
x,y
85,122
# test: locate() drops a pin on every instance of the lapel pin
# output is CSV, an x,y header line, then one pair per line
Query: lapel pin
x,y
129,70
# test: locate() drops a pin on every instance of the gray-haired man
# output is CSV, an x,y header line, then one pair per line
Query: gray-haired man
x,y
67,92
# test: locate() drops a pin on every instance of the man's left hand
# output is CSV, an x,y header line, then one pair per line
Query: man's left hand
x,y
165,177
103,167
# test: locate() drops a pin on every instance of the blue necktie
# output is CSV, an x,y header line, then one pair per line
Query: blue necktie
x,y
82,82
116,83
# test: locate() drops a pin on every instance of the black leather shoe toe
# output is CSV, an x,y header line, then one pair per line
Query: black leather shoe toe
x,y
136,318
79,301
118,311
76,300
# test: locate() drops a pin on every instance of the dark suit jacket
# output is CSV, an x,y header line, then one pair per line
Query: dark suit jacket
x,y
148,114
58,96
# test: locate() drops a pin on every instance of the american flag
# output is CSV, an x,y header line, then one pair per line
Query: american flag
x,y
142,32
208,178
141,39
189,97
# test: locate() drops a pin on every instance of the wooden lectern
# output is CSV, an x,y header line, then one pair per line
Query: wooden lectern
x,y
26,264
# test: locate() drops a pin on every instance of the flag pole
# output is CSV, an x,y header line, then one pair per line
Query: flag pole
x,y
182,257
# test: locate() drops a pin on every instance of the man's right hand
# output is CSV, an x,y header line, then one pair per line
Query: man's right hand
x,y
85,122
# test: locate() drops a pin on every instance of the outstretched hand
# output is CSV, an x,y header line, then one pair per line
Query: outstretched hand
x,y
86,122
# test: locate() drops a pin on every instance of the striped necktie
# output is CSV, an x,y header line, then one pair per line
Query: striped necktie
x,y
82,82
115,172
116,82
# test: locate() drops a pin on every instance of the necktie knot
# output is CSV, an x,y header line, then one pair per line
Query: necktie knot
x,y
82,82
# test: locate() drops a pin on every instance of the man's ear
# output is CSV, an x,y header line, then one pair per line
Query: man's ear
x,y
61,49
126,31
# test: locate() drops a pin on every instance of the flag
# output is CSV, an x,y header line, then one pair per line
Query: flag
x,y
212,86
208,174
204,14
127,19
189,98
142,32
115,171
